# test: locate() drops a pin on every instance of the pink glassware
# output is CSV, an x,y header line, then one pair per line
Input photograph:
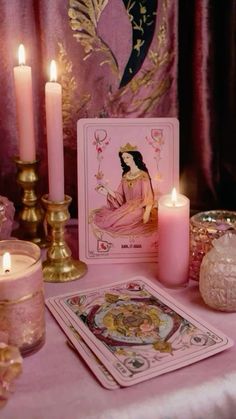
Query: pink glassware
x,y
217,283
22,296
7,212
204,228
10,369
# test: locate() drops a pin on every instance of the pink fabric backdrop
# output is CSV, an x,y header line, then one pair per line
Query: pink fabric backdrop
x,y
90,73
207,101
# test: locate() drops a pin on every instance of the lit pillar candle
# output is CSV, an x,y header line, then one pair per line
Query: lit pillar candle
x,y
21,295
24,108
173,239
53,94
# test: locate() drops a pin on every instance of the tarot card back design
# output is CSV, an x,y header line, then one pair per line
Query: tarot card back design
x,y
138,331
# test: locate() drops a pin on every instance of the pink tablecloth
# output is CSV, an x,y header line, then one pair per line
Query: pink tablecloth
x,y
56,384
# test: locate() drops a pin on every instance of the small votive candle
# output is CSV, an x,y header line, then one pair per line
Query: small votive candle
x,y
205,227
22,312
173,239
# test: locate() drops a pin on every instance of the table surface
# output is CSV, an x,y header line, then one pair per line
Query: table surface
x,y
57,384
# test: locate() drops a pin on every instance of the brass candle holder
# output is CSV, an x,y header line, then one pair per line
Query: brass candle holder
x,y
59,265
31,215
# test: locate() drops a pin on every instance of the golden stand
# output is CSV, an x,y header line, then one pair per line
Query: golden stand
x,y
31,216
59,265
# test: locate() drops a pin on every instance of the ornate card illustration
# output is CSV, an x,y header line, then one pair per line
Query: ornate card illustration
x,y
78,344
138,331
124,166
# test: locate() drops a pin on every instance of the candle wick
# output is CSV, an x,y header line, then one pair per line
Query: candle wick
x,y
7,271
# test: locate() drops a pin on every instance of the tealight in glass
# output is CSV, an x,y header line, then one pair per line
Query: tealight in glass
x,y
22,318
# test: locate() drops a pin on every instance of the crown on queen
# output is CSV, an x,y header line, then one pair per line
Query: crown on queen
x,y
128,147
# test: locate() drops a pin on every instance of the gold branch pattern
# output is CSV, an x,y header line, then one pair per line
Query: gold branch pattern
x,y
142,95
70,112
141,102
84,17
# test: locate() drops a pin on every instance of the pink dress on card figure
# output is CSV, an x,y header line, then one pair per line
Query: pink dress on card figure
x,y
129,210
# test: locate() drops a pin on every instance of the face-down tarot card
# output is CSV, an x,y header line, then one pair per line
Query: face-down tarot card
x,y
79,345
138,331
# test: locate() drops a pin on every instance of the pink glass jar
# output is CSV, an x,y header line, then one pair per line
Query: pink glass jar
x,y
10,369
217,283
22,318
204,228
7,212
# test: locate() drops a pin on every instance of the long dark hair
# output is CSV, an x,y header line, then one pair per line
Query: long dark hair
x,y
138,160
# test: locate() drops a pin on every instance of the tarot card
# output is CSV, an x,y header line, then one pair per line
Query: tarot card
x,y
124,166
81,347
138,331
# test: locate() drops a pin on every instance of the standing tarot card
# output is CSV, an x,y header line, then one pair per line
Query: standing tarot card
x,y
124,166
138,331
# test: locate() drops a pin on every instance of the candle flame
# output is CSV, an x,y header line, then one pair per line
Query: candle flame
x,y
6,262
174,197
53,71
21,54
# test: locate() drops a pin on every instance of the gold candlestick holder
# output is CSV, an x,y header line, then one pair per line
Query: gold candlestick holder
x,y
31,215
59,265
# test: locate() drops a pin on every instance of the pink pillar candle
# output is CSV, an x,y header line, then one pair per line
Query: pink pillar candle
x,y
24,108
53,94
21,295
173,238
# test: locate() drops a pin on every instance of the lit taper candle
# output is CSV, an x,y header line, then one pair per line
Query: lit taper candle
x,y
24,108
53,94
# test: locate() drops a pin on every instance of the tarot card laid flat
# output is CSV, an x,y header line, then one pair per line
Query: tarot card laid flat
x,y
138,331
124,166
80,346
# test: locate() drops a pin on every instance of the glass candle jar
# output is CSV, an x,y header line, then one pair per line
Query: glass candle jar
x,y
204,228
21,295
7,212
10,369
217,283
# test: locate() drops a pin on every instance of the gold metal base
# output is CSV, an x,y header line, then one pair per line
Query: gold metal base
x,y
31,215
59,265
65,271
